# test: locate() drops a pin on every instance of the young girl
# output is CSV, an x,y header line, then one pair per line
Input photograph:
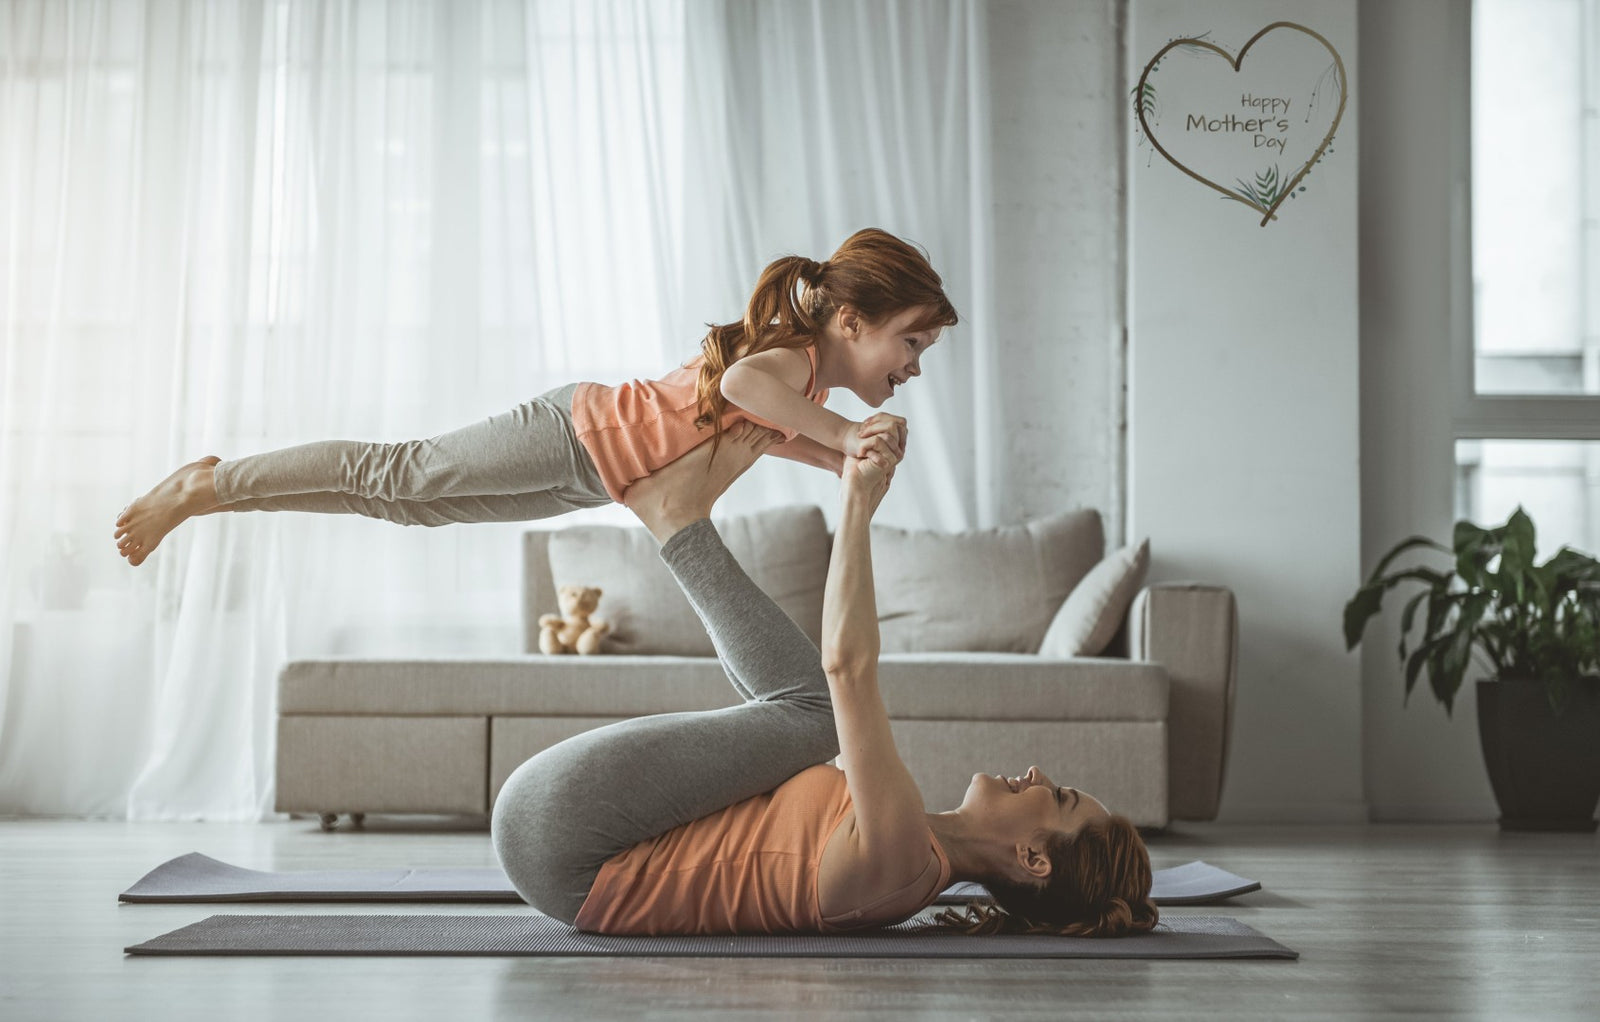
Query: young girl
x,y
861,321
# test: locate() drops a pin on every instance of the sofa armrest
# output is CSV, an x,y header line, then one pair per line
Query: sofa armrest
x,y
1191,629
538,591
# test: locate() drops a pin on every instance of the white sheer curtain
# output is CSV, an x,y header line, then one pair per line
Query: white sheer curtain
x,y
811,119
226,227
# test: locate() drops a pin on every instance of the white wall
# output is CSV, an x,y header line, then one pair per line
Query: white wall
x,y
1243,423
1056,76
1242,473
1414,154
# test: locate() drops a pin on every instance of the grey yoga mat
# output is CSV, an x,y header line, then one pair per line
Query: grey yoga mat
x,y
534,935
200,878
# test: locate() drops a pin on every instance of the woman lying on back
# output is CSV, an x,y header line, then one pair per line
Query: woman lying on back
x,y
731,821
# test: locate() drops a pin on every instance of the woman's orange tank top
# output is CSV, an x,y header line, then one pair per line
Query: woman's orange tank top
x,y
750,868
634,428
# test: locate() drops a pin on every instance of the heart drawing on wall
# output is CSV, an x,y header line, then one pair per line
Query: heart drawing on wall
x,y
1262,126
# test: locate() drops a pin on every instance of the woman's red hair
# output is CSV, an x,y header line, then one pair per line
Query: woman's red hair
x,y
1099,886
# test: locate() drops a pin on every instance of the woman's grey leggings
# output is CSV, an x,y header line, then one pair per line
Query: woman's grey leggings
x,y
564,812
514,467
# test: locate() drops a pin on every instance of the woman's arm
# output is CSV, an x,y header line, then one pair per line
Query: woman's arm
x,y
891,831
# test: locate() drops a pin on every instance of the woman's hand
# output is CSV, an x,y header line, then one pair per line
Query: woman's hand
x,y
867,478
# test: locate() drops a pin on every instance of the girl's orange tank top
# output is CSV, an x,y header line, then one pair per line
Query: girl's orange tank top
x,y
748,869
634,428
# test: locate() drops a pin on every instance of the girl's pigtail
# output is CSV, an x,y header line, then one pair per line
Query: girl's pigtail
x,y
775,311
873,272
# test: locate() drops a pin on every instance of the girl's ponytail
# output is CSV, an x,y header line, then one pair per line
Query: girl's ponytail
x,y
775,318
874,272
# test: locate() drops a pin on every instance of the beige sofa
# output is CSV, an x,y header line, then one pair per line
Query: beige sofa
x,y
964,618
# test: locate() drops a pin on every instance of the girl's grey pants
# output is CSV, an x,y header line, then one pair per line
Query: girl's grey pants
x,y
567,810
517,466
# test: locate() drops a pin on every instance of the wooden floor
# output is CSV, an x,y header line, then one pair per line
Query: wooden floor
x,y
1390,921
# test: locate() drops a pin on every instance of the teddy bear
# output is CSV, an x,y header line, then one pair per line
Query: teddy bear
x,y
573,630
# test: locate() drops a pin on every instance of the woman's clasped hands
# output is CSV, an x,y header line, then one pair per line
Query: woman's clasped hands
x,y
867,475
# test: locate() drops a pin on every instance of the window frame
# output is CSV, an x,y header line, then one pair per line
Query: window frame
x,y
1476,416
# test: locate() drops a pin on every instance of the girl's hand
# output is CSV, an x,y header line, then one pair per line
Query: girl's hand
x,y
890,427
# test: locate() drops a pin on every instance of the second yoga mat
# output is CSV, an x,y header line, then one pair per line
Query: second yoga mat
x,y
200,878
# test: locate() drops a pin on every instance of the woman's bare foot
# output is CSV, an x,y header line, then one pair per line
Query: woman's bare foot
x,y
143,524
682,493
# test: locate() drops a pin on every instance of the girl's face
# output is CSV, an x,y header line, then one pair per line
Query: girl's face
x,y
884,357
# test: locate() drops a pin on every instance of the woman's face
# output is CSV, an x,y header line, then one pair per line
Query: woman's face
x,y
884,357
1020,808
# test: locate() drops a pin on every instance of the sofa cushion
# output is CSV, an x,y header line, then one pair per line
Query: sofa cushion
x,y
1020,686
557,686
925,686
382,764
1112,760
989,590
1098,605
784,550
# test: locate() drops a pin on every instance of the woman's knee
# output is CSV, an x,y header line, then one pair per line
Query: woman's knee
x,y
531,829
814,719
537,870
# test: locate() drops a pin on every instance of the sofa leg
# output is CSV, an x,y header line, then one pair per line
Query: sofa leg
x,y
330,821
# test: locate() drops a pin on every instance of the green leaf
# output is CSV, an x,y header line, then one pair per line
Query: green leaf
x,y
1516,555
1473,548
1145,98
1438,610
1518,548
1367,601
1414,541
1447,665
1471,565
1436,579
1408,615
1535,622
1466,534
1543,580
1569,567
1415,664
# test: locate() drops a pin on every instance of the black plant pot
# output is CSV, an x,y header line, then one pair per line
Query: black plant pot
x,y
1544,767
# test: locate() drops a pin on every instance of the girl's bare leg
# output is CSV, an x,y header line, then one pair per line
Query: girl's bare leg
x,y
143,524
678,494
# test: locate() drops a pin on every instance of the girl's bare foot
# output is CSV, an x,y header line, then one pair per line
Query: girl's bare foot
x,y
681,493
143,524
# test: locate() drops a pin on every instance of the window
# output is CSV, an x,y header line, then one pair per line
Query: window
x,y
1556,481
1536,197
1528,391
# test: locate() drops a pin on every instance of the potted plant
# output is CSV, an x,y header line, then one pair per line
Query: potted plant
x,y
1538,627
